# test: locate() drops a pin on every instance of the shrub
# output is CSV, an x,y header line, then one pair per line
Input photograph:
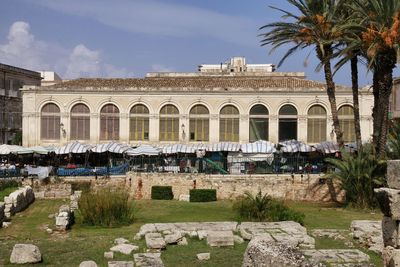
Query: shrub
x,y
106,207
203,195
162,192
358,175
9,183
264,208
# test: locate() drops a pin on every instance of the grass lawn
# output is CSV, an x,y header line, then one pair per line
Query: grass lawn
x,y
89,243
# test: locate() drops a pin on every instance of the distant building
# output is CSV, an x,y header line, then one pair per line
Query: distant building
x,y
11,80
49,78
236,103
395,100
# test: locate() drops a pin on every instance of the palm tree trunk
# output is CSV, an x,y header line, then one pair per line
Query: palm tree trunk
x,y
383,82
356,105
330,89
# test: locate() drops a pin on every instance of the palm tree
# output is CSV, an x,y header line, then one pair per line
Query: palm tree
x,y
379,40
318,25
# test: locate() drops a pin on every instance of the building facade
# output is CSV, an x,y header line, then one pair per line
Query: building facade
x,y
169,108
395,100
11,80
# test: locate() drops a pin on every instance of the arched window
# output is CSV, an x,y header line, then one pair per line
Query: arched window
x,y
109,122
50,122
169,123
199,123
80,122
258,123
316,124
139,123
346,120
229,124
287,123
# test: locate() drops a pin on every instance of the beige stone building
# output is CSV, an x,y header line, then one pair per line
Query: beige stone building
x,y
11,80
237,106
395,100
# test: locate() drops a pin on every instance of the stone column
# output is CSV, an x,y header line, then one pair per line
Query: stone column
x,y
154,128
389,201
124,127
244,134
214,128
273,129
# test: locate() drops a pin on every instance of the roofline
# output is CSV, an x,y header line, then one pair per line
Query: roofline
x,y
34,74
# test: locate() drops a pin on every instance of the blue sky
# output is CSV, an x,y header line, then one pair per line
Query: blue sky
x,y
127,38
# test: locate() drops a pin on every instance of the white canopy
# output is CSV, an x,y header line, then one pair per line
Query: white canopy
x,y
293,146
12,149
112,147
146,150
259,147
224,146
177,148
43,150
74,147
327,147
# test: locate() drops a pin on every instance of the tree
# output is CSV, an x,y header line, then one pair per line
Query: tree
x,y
379,39
319,26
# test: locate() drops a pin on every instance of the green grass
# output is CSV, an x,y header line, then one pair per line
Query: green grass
x,y
89,243
5,192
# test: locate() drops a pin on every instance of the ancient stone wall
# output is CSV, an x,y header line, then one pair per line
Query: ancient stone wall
x,y
296,187
52,190
18,201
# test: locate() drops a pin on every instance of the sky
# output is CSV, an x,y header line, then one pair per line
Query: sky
x,y
128,38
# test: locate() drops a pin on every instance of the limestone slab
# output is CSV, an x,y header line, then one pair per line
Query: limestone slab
x,y
148,260
203,256
220,238
393,174
25,253
120,264
389,202
124,248
155,241
88,264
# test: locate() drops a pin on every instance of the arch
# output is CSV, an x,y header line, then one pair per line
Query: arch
x,y
229,123
199,123
316,124
287,122
50,122
139,123
109,122
74,102
169,123
346,121
80,122
258,123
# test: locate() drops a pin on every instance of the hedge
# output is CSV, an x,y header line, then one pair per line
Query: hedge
x,y
203,195
162,192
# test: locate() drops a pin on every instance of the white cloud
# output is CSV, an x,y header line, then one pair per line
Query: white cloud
x,y
158,18
23,50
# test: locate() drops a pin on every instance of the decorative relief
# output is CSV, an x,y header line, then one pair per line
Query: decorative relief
x,y
302,117
154,116
273,117
244,117
214,116
184,116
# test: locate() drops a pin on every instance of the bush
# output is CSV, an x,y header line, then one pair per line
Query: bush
x,y
83,186
162,192
264,208
9,183
106,207
203,195
358,175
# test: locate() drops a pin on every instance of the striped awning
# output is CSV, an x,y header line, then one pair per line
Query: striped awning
x,y
43,150
74,148
224,146
146,150
112,147
294,146
327,147
176,148
261,146
12,149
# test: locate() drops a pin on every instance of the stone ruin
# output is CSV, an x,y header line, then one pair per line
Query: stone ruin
x,y
64,218
17,201
389,202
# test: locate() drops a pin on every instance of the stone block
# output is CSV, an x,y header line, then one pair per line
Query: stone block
x,y
148,260
124,248
88,264
120,264
109,255
390,232
25,253
393,174
155,241
237,239
389,202
183,242
120,241
173,238
203,256
220,238
391,257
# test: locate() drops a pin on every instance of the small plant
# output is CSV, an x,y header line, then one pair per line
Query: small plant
x,y
162,192
106,207
203,195
358,175
260,207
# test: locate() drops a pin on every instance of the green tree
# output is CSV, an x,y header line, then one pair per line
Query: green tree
x,y
318,24
377,34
